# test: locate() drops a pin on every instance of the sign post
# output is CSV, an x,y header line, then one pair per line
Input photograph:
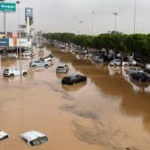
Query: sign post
x,y
28,14
8,7
5,8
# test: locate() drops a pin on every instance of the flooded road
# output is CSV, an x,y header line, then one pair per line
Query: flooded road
x,y
109,112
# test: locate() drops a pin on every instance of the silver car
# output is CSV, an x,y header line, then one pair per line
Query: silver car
x,y
40,63
133,70
62,69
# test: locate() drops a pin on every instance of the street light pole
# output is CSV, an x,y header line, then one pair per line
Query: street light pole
x,y
80,27
19,38
93,22
135,11
116,14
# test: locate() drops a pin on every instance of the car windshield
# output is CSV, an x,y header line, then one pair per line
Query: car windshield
x,y
39,141
43,139
6,69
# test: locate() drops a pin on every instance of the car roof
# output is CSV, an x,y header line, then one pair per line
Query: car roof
x,y
32,135
2,134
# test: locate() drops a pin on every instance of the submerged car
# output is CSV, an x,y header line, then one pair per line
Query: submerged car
x,y
39,63
62,69
26,53
47,58
11,72
3,135
12,55
133,70
117,62
74,79
98,59
34,138
142,77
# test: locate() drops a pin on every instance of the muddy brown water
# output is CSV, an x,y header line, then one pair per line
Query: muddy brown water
x,y
109,112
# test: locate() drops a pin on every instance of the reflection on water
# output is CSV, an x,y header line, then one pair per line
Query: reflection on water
x,y
106,113
74,87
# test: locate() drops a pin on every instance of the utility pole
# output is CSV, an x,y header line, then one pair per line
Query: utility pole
x,y
93,23
19,38
80,31
116,14
135,11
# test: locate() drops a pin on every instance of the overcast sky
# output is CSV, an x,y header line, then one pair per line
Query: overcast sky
x,y
67,15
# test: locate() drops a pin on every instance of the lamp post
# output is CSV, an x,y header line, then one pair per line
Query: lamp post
x,y
115,14
19,38
80,22
93,22
135,11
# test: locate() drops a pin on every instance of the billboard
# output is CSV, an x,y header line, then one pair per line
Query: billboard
x,y
29,12
4,42
8,7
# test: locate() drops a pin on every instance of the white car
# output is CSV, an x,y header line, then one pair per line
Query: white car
x,y
133,70
47,58
62,69
34,138
12,55
11,72
98,59
117,62
26,53
132,63
3,135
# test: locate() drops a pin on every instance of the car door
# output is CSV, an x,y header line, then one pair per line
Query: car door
x,y
17,71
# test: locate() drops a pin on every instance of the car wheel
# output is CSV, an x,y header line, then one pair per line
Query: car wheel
x,y
126,65
46,66
115,65
12,75
24,74
34,66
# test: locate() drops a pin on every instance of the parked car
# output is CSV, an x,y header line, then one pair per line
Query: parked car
x,y
12,55
41,46
26,53
98,59
117,62
11,72
142,77
132,63
3,135
40,63
47,58
134,70
34,138
62,69
74,79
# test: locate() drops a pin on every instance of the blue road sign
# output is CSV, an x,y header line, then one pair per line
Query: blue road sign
x,y
4,42
29,12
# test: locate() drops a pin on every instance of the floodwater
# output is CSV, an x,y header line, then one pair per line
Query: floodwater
x,y
109,112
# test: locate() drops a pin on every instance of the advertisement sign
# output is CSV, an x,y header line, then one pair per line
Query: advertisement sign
x,y
8,7
29,12
4,42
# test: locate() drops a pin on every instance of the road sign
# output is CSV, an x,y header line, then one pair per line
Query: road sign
x,y
29,12
4,42
8,7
